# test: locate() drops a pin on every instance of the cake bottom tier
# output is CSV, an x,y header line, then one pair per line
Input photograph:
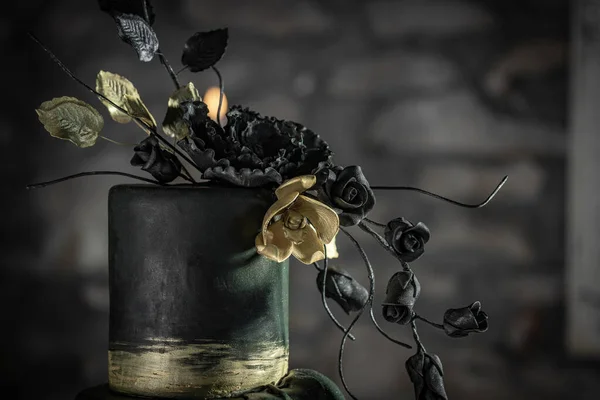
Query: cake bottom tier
x,y
298,384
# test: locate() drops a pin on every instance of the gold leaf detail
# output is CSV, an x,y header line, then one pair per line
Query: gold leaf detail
x,y
121,91
173,124
71,119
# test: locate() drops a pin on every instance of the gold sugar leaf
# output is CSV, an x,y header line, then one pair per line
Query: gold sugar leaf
x,y
121,91
137,108
173,124
71,119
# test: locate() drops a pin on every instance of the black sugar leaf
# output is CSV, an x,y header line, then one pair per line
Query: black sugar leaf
x,y
136,32
204,49
141,8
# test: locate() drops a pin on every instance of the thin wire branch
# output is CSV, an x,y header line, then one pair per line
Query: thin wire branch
x,y
413,325
165,63
385,334
437,196
152,130
369,303
374,223
189,178
438,326
381,240
324,299
115,142
221,88
93,173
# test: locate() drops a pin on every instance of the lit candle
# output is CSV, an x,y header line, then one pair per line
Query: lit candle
x,y
211,99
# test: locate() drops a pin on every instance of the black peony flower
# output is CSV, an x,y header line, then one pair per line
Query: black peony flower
x,y
343,289
161,163
459,322
251,150
402,291
407,240
347,190
426,374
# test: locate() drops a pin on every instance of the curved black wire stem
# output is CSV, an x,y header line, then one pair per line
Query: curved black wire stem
x,y
170,71
161,56
221,88
152,130
381,240
420,346
437,196
93,173
324,298
369,303
435,325
374,223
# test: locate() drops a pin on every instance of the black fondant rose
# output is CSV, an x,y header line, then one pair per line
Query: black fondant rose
x,y
426,374
347,190
459,322
162,164
407,240
343,289
402,291
251,150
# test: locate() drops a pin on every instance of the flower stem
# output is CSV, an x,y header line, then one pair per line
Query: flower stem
x,y
369,303
437,196
438,326
115,142
416,336
324,299
151,129
221,88
92,173
381,240
374,223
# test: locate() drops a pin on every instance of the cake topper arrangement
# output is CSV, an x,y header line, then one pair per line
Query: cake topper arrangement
x,y
314,199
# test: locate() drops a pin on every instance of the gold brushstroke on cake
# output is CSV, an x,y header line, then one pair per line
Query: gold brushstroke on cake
x,y
207,370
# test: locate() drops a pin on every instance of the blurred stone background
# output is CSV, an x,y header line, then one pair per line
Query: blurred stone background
x,y
445,95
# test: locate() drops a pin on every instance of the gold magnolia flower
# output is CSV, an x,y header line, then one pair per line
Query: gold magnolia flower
x,y
297,225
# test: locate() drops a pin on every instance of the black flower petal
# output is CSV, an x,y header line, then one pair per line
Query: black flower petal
x,y
251,150
347,190
343,289
459,322
162,164
426,374
403,289
407,240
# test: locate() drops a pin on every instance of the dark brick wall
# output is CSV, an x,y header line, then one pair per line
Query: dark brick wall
x,y
445,95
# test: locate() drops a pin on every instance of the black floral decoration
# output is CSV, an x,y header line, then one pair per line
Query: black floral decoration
x,y
162,164
402,292
251,150
426,374
341,287
347,190
459,322
407,240
256,151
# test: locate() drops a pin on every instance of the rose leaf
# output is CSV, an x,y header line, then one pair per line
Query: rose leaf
x,y
71,119
204,49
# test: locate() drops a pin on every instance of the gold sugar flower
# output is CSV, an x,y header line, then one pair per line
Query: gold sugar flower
x,y
297,225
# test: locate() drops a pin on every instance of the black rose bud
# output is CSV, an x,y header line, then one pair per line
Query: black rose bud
x,y
343,289
162,164
407,240
402,291
459,322
347,190
426,374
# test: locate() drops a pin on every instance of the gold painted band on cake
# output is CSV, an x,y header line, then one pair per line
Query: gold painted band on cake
x,y
205,370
